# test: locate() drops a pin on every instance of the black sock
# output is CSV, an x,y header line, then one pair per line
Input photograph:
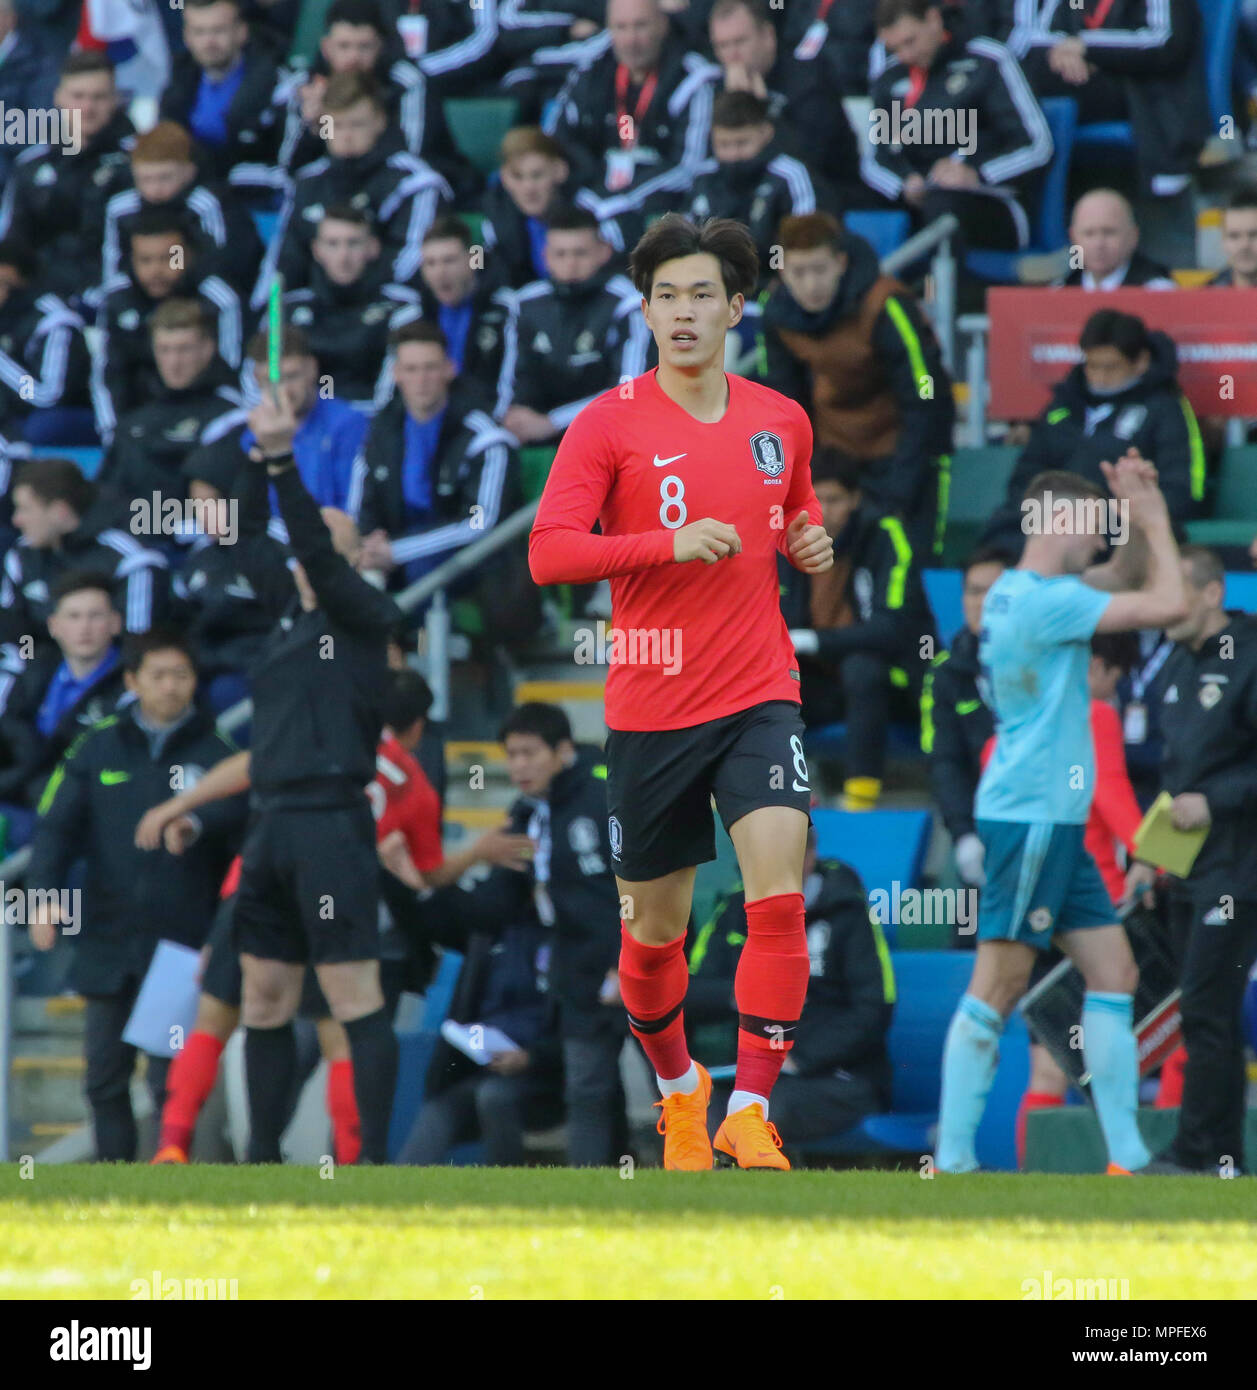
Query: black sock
x,y
373,1047
270,1058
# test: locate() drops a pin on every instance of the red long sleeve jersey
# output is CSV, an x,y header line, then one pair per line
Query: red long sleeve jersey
x,y
692,642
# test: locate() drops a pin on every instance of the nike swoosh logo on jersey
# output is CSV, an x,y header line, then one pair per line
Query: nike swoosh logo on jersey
x,y
659,463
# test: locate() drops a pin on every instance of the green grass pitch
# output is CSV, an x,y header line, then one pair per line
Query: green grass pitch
x,y
459,1233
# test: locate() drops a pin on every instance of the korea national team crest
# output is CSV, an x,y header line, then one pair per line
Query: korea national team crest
x,y
769,456
616,833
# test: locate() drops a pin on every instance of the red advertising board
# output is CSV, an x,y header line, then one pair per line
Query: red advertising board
x,y
1034,343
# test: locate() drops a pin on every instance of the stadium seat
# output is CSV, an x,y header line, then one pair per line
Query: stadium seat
x,y
473,221
478,125
979,483
1049,218
415,1049
1103,139
944,589
1221,22
87,457
884,847
534,468
266,222
884,231
1241,591
830,740
310,27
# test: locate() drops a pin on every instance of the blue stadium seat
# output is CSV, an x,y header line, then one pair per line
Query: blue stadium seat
x,y
884,847
884,231
415,1051
1221,22
830,740
945,590
1241,591
1049,219
87,457
265,222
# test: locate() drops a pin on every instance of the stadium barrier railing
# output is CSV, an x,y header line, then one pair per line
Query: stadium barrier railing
x,y
936,238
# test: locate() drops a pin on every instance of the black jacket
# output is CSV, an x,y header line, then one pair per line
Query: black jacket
x,y
841,59
461,48
486,337
974,74
1140,270
1208,715
151,442
401,193
850,991
885,592
580,890
55,201
43,356
347,327
955,725
253,127
803,98
132,898
319,683
474,466
28,756
1079,430
124,374
566,344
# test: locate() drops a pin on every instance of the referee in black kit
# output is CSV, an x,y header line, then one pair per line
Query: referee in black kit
x,y
309,884
1206,695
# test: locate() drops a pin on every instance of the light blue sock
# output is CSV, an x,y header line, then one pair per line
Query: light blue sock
x,y
970,1059
1110,1054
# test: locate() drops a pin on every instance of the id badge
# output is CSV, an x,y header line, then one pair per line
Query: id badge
x,y
1135,722
414,31
620,170
812,41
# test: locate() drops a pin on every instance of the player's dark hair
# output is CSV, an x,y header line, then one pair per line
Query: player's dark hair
x,y
1243,199
567,218
1061,483
346,212
757,9
738,110
418,331
890,12
77,64
548,722
79,581
674,236
18,256
449,227
347,89
1111,328
159,220
1120,649
359,13
159,638
293,343
808,231
988,555
1205,564
56,480
830,465
407,698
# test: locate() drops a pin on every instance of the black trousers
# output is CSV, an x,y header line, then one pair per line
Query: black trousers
x,y
858,689
1217,951
110,1065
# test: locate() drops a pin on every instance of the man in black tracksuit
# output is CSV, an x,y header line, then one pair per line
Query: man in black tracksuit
x,y
838,1070
955,723
471,306
55,200
1207,695
570,895
309,884
124,374
1140,60
985,140
1124,394
859,631
112,775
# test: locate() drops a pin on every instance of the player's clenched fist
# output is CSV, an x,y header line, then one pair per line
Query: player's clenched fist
x,y
811,547
705,540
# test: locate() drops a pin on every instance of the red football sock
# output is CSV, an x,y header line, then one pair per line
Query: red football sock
x,y
191,1079
342,1106
653,981
1170,1094
769,987
1032,1100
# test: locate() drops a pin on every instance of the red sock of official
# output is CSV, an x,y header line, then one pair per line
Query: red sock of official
x,y
1170,1092
342,1106
191,1079
769,988
653,981
1032,1100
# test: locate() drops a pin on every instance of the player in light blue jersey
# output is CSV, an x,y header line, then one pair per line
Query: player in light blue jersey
x,y
1042,887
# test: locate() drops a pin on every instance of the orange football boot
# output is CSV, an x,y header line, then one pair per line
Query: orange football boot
x,y
686,1144
749,1140
172,1153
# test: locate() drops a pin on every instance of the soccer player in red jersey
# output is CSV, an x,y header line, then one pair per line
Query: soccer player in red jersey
x,y
682,465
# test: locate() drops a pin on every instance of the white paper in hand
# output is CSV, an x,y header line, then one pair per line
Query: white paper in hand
x,y
167,1001
479,1041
